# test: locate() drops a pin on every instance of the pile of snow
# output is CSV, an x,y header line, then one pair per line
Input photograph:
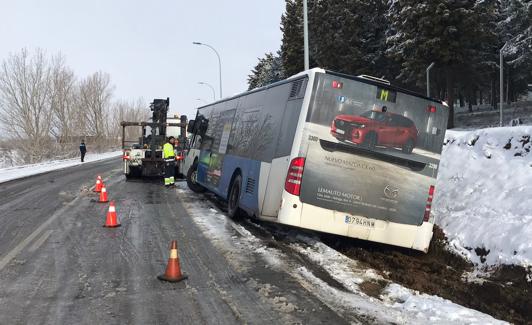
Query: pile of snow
x,y
484,194
7,174
434,309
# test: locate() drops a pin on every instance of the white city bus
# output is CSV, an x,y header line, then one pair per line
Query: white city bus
x,y
353,156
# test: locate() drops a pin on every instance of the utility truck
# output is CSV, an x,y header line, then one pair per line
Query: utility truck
x,y
143,156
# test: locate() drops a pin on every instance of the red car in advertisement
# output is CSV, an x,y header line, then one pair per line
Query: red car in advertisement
x,y
376,128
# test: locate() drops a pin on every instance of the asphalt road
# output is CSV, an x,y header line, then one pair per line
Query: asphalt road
x,y
58,265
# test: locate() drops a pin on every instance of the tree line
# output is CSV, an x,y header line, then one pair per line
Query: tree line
x,y
399,39
46,110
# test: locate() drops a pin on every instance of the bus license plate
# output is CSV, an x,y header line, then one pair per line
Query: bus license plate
x,y
359,221
339,131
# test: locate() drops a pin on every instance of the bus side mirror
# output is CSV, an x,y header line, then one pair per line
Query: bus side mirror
x,y
191,125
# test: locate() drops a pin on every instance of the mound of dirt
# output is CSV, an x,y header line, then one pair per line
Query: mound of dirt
x,y
505,295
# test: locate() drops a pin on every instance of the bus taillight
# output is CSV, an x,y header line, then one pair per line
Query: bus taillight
x,y
294,176
428,207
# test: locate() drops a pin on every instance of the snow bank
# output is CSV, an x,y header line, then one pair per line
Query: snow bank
x,y
7,174
436,310
484,194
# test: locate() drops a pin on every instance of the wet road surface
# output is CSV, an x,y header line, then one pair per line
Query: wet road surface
x,y
58,265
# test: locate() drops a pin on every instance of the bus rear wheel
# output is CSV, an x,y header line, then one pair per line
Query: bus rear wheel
x,y
233,199
192,176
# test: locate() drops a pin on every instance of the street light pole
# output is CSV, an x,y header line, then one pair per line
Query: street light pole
x,y
501,76
305,34
210,86
219,62
501,89
428,78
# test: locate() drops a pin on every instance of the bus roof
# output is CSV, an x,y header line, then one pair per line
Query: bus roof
x,y
304,74
383,85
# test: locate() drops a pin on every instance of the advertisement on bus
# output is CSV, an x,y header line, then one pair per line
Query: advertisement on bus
x,y
372,151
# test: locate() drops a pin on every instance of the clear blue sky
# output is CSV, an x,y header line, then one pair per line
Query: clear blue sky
x,y
146,46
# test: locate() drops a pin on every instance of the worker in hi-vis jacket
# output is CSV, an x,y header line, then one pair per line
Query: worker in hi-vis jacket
x,y
169,160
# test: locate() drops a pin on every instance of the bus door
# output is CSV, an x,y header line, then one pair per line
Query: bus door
x,y
215,149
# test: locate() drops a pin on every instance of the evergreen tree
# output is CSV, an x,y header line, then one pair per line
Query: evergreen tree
x,y
267,71
292,50
515,29
344,35
450,33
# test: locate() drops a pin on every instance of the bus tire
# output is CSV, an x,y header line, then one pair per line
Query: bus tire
x,y
233,198
192,175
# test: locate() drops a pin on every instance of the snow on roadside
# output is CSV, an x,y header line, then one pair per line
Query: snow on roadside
x,y
412,305
11,173
483,194
434,309
398,305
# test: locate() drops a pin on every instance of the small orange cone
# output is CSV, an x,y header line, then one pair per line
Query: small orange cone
x,y
103,195
173,270
99,184
112,219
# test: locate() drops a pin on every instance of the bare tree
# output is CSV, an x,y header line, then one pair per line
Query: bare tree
x,y
45,111
132,111
95,93
25,102
66,117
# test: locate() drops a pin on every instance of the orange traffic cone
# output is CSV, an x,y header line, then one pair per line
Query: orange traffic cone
x,y
103,195
173,270
112,220
99,184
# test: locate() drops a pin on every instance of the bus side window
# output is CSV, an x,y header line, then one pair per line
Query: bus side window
x,y
288,128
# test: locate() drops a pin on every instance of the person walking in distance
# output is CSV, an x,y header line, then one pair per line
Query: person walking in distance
x,y
169,161
82,150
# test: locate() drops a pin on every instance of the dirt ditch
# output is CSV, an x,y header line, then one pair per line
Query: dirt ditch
x,y
505,294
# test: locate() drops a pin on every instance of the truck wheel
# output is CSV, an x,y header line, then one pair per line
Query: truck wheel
x,y
177,172
408,147
192,175
134,172
233,199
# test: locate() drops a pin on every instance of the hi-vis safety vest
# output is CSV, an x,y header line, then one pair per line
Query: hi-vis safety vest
x,y
168,151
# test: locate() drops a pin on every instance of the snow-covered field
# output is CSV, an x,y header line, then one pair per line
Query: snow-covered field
x,y
484,194
7,174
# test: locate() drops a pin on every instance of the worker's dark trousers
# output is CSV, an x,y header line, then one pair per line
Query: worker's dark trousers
x,y
82,156
169,172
